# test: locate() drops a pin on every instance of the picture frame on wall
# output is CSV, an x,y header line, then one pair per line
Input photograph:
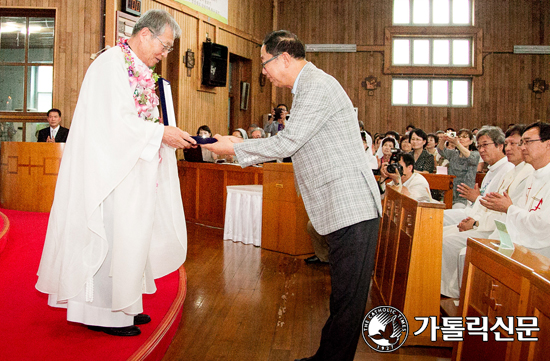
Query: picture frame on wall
x,y
245,94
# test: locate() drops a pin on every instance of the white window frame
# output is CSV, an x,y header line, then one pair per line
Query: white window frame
x,y
430,80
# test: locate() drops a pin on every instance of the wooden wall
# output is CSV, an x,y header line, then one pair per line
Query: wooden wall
x,y
500,95
77,36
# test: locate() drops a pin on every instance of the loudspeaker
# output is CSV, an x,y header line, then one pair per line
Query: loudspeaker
x,y
214,64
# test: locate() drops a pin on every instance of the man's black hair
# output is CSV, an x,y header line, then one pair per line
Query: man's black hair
x,y
53,110
515,129
408,158
281,41
544,129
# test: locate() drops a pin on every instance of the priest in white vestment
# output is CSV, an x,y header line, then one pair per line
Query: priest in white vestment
x,y
117,220
528,220
481,223
490,144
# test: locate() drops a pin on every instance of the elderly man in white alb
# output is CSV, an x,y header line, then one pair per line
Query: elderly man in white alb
x,y
413,184
117,220
528,220
490,144
481,223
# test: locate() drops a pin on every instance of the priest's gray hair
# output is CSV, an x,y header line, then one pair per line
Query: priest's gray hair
x,y
156,20
495,133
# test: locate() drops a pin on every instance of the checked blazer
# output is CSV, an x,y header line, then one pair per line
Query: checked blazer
x,y
330,166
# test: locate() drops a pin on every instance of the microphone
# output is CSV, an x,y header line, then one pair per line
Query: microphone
x,y
95,55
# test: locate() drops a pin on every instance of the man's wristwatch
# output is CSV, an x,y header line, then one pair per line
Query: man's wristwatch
x,y
476,224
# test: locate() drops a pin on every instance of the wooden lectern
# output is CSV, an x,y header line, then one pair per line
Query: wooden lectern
x,y
29,174
284,217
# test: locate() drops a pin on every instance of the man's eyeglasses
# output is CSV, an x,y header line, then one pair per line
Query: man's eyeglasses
x,y
267,61
527,141
166,48
481,146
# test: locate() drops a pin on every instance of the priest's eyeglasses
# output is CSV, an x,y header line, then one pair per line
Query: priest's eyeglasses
x,y
526,142
166,48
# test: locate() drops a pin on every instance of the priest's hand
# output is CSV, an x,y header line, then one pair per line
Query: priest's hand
x,y
496,202
466,224
224,145
470,194
50,140
176,138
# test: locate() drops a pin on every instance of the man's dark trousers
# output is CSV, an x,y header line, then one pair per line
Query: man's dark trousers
x,y
351,257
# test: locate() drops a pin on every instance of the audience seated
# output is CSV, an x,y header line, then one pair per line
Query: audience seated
x,y
250,129
491,148
385,149
240,133
411,183
205,132
367,144
462,162
480,223
528,219
423,161
405,144
431,144
258,133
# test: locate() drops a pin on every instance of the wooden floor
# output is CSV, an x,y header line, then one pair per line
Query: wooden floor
x,y
246,303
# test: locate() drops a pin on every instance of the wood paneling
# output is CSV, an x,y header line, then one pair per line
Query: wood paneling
x,y
77,36
28,175
500,94
203,189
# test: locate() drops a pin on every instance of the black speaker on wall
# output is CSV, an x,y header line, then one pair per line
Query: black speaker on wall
x,y
214,64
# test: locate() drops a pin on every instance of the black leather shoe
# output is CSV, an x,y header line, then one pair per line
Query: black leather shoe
x,y
313,259
117,331
141,319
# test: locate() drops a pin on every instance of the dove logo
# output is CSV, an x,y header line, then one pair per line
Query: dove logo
x,y
385,329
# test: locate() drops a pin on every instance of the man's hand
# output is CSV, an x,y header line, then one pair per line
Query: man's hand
x,y
395,177
50,139
497,202
176,138
470,194
224,145
466,224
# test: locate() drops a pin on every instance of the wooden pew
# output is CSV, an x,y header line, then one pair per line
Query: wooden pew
x,y
501,283
407,271
440,182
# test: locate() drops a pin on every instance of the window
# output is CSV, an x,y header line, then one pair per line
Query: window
x,y
432,12
26,63
432,52
431,92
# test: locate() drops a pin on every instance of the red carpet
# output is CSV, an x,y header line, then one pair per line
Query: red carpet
x,y
31,330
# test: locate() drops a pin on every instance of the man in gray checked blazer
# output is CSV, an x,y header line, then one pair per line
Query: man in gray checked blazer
x,y
339,191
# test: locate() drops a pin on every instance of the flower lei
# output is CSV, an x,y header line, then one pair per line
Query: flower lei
x,y
142,80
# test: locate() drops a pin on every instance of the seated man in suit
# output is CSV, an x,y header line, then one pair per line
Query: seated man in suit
x,y
54,133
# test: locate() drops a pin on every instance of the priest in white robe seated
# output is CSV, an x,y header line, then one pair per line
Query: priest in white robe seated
x,y
528,220
404,177
481,223
490,144
117,219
